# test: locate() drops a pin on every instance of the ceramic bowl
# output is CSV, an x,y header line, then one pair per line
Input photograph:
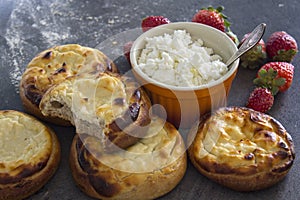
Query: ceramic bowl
x,y
185,105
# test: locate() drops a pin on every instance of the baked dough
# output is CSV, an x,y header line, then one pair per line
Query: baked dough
x,y
29,155
53,66
110,106
242,149
148,169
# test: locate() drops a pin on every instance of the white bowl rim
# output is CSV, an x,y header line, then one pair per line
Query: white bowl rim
x,y
148,79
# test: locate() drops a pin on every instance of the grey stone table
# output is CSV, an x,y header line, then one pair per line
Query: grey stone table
x,y
30,26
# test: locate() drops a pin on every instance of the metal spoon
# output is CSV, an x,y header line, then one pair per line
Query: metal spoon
x,y
249,43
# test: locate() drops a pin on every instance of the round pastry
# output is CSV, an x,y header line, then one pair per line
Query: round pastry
x,y
110,106
29,155
146,170
241,149
54,65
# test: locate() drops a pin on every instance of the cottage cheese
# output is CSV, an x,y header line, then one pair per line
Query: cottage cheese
x,y
175,59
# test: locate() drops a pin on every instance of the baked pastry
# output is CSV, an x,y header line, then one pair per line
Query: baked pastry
x,y
242,149
54,65
146,170
110,106
29,155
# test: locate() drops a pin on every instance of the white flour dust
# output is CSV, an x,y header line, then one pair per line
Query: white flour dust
x,y
34,26
23,45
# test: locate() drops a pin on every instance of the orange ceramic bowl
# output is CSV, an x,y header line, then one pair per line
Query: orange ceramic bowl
x,y
185,105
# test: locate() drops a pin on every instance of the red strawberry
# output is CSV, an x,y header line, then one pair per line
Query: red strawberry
x,y
276,76
126,50
281,47
260,99
153,21
212,17
255,57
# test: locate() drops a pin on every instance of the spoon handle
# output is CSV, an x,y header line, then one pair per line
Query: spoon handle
x,y
253,38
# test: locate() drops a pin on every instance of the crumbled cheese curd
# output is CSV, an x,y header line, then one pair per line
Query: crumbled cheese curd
x,y
175,59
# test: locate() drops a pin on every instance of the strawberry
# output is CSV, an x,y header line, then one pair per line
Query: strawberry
x,y
276,76
256,56
153,21
126,50
212,17
260,99
281,47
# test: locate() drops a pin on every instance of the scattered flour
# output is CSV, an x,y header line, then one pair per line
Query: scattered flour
x,y
23,45
33,28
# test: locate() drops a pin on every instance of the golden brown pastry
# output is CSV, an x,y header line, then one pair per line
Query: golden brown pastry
x,y
148,169
29,155
242,149
53,66
110,106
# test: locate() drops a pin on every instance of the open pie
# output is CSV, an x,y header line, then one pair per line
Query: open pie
x,y
242,149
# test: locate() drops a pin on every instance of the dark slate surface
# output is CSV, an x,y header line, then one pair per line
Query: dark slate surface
x,y
28,27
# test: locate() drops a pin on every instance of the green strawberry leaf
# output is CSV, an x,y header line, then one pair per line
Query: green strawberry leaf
x,y
272,73
258,82
220,9
268,79
259,48
285,55
226,23
274,90
262,73
279,82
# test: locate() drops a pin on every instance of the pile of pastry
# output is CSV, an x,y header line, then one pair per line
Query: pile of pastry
x,y
121,150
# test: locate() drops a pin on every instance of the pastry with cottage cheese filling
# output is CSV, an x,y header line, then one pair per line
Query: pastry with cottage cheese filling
x,y
242,149
29,155
53,66
148,169
107,105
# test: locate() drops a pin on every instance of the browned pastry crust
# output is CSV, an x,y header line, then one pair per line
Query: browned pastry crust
x,y
128,128
149,169
29,155
242,149
110,106
54,65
